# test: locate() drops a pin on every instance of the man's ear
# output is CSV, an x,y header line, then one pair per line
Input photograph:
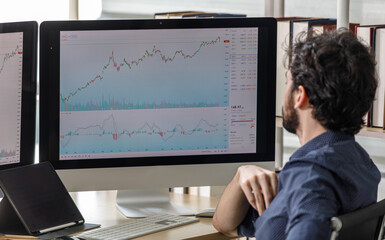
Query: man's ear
x,y
301,98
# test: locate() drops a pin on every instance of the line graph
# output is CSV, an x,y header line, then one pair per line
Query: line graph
x,y
147,129
8,56
155,52
145,74
128,131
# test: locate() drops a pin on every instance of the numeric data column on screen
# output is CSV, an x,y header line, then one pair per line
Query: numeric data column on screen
x,y
243,89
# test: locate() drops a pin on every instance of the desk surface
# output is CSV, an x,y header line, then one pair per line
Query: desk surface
x,y
99,207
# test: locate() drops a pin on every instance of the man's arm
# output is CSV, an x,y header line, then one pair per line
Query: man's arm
x,y
231,209
311,202
251,185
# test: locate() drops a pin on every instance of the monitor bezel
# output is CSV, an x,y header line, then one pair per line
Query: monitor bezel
x,y
50,77
28,95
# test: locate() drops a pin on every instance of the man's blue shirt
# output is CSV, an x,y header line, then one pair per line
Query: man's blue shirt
x,y
328,176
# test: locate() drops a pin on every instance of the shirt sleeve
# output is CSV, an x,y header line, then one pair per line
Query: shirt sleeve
x,y
311,202
247,228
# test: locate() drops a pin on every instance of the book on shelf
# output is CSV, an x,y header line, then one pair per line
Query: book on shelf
x,y
196,14
164,15
214,15
369,36
378,46
364,34
321,28
353,27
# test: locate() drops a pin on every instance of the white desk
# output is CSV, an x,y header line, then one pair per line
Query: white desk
x,y
99,207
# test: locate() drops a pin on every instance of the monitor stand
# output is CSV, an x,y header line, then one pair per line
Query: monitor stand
x,y
143,203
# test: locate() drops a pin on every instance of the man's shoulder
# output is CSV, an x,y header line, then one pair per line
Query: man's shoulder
x,y
298,171
346,167
335,155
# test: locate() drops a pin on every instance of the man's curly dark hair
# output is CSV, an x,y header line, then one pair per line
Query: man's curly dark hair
x,y
339,77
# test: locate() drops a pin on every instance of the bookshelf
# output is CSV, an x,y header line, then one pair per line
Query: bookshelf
x,y
343,7
372,132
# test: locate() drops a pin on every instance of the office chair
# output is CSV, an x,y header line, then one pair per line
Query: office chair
x,y
363,224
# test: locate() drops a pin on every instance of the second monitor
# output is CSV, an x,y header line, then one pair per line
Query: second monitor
x,y
156,103
18,44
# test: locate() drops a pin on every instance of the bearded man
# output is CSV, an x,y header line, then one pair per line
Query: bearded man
x,y
331,84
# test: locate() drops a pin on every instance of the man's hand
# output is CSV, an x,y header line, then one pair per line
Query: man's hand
x,y
259,186
251,184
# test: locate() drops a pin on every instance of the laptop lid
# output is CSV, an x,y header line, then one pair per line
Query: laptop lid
x,y
39,198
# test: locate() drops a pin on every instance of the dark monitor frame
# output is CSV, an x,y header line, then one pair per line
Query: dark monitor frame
x,y
28,101
50,77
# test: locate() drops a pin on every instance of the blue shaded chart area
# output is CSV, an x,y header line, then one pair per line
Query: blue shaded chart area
x,y
176,70
131,131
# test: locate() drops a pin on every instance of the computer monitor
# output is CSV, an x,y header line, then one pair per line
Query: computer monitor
x,y
139,104
18,44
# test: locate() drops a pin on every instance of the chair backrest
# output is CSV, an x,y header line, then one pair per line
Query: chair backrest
x,y
363,224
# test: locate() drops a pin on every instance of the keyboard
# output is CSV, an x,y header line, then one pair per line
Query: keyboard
x,y
138,227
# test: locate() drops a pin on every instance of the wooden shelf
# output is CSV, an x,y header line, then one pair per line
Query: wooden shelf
x,y
372,132
365,131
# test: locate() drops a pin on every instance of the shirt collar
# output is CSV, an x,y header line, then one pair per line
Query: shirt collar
x,y
320,141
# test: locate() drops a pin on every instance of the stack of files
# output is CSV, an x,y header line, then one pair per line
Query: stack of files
x,y
196,14
374,37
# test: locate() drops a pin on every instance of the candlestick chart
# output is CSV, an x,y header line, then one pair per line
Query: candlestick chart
x,y
135,75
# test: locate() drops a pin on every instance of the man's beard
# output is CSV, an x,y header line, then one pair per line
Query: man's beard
x,y
290,117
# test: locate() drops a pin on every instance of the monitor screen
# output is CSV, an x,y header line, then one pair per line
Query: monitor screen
x,y
152,93
135,93
17,93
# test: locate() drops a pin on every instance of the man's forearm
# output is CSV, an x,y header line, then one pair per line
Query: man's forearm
x,y
232,208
